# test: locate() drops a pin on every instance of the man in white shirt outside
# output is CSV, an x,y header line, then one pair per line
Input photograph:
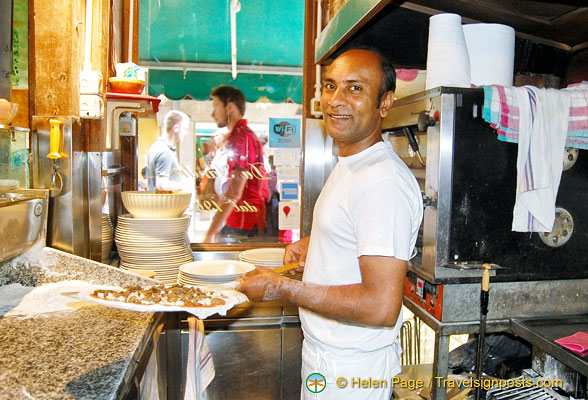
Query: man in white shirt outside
x,y
163,170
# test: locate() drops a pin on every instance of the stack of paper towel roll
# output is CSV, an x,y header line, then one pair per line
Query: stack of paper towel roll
x,y
478,54
491,49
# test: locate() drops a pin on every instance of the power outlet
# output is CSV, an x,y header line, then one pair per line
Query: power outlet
x,y
90,82
91,106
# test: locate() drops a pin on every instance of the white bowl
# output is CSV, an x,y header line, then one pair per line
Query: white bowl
x,y
153,205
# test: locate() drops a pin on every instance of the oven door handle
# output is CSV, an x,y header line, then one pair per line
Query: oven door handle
x,y
414,145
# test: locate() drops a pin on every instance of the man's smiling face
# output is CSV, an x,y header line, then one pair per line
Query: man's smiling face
x,y
349,100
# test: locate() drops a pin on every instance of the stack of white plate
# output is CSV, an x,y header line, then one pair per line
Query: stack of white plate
x,y
107,237
212,273
264,257
158,245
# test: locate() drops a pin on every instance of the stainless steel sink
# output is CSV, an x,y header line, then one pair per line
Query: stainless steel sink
x,y
9,197
22,219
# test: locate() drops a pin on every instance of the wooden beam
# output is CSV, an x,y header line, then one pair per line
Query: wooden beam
x,y
309,67
55,29
130,28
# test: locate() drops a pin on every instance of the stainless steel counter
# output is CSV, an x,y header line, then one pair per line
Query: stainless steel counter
x,y
542,332
256,350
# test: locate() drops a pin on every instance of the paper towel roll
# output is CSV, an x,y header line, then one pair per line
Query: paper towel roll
x,y
448,62
491,50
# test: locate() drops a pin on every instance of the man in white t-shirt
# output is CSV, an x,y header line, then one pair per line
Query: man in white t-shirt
x,y
163,170
365,225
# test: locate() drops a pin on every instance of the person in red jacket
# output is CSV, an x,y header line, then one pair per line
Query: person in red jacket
x,y
242,208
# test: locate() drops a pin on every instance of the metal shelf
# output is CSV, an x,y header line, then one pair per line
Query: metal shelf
x,y
542,332
352,16
11,128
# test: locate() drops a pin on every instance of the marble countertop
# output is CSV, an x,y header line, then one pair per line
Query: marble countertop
x,y
86,351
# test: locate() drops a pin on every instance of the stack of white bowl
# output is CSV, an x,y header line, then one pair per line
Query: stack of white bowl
x,y
213,273
263,257
154,237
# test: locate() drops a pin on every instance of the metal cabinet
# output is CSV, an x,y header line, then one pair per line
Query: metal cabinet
x,y
256,352
255,358
247,360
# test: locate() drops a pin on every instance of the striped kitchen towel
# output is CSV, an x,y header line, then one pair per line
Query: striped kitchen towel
x,y
501,110
543,122
200,368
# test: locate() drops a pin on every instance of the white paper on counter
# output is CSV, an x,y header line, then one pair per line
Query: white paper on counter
x,y
52,297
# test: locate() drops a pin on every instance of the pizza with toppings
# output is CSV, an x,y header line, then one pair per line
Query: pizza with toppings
x,y
200,301
173,295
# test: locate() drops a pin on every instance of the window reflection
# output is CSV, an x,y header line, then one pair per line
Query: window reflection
x,y
203,156
186,47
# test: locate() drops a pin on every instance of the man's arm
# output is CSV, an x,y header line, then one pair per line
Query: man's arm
x,y
163,182
376,301
227,203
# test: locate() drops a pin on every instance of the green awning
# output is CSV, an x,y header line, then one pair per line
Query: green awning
x,y
197,85
182,41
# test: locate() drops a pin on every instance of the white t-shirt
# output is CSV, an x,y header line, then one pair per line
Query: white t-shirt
x,y
371,204
220,164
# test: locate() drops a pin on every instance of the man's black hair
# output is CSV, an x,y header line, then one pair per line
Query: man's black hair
x,y
230,94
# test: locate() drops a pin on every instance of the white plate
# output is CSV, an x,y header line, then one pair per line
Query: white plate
x,y
182,242
155,253
157,271
205,281
231,284
263,255
138,237
152,234
232,298
163,230
264,265
127,218
216,268
155,264
150,266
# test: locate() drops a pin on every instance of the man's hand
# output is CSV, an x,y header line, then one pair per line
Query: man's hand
x,y
261,284
297,252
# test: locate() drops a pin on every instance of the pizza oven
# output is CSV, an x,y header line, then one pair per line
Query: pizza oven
x,y
468,180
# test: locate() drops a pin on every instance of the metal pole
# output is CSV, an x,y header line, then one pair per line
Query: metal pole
x,y
482,334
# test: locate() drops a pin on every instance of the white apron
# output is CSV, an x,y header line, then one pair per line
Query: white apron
x,y
372,370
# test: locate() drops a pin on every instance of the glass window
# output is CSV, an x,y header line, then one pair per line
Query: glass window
x,y
188,48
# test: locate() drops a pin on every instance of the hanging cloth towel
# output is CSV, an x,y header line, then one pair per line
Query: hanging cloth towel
x,y
502,112
543,126
200,369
